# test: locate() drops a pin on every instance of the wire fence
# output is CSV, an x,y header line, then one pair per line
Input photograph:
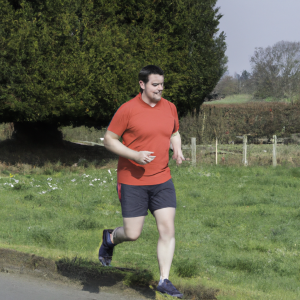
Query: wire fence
x,y
249,152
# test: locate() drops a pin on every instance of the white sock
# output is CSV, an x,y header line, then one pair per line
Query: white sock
x,y
161,280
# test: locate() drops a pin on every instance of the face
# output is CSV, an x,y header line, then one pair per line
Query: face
x,y
153,88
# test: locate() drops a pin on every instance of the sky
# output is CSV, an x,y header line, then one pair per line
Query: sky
x,y
256,23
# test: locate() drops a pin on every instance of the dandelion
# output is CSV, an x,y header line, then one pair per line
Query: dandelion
x,y
104,181
109,171
49,179
112,179
91,184
10,175
73,180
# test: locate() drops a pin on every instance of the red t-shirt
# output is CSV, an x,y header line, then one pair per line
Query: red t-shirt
x,y
145,128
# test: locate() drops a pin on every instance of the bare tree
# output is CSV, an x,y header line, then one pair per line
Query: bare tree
x,y
276,70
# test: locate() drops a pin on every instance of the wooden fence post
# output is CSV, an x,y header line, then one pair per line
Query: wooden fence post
x,y
274,150
203,126
193,148
216,150
245,162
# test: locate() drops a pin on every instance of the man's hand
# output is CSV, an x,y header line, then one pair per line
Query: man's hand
x,y
144,157
178,156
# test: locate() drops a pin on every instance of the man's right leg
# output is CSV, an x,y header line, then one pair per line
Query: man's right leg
x,y
131,230
134,202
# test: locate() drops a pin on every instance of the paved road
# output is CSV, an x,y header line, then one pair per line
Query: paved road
x,y
18,287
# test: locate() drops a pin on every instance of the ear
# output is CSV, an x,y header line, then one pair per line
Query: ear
x,y
142,84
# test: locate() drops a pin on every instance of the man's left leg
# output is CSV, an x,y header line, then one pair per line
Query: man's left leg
x,y
165,248
166,243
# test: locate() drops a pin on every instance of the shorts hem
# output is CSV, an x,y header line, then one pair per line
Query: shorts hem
x,y
168,206
135,216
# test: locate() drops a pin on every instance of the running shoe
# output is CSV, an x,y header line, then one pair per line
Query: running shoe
x,y
106,249
166,287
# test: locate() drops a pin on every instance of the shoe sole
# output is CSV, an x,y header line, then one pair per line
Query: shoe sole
x,y
165,293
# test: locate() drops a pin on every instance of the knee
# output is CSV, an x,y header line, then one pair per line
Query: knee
x,y
167,231
132,236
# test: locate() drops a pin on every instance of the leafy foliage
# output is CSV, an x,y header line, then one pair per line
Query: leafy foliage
x,y
276,71
75,62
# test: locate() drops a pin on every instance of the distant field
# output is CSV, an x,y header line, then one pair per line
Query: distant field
x,y
234,99
244,98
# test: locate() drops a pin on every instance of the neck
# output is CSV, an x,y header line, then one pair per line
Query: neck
x,y
148,101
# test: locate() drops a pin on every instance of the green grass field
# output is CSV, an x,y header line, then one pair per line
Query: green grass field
x,y
233,99
244,98
237,228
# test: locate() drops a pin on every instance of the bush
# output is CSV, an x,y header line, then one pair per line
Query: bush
x,y
226,121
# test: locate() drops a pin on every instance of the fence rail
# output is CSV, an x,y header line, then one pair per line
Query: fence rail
x,y
245,151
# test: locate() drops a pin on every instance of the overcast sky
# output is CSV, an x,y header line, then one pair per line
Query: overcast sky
x,y
256,23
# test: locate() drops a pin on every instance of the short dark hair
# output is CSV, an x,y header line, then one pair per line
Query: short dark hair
x,y
148,70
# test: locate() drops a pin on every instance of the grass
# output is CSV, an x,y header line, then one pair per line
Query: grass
x,y
244,98
82,133
237,228
232,99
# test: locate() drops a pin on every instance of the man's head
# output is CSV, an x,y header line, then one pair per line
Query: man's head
x,y
148,70
151,80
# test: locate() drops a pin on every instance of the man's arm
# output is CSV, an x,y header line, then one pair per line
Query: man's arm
x,y
112,143
176,146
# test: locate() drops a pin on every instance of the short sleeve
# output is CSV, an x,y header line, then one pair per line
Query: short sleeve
x,y
119,122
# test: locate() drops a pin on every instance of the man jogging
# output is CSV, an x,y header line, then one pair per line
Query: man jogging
x,y
146,124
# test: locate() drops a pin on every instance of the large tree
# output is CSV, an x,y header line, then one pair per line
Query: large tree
x,y
75,62
276,71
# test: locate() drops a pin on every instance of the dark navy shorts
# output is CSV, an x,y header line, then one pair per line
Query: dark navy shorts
x,y
137,199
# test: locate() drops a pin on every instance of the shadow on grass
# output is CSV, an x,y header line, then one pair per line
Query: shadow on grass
x,y
93,276
65,153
